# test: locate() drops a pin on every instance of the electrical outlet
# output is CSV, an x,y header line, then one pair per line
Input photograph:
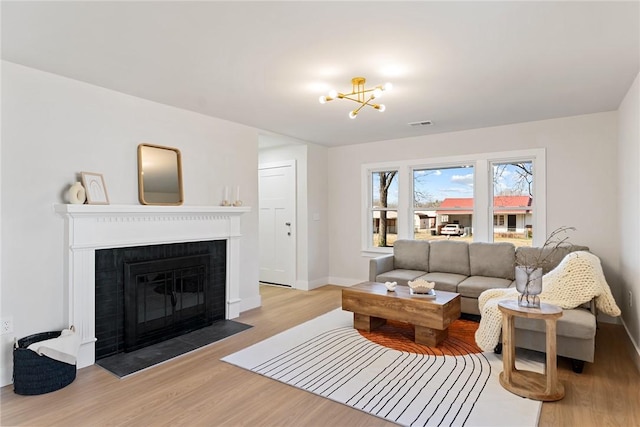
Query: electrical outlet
x,y
630,299
6,325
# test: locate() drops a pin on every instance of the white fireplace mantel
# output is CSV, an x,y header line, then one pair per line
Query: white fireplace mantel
x,y
92,227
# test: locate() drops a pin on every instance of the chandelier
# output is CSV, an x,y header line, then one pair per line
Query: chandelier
x,y
359,95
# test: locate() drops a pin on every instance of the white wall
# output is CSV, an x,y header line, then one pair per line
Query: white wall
x,y
53,128
581,182
629,195
312,260
318,199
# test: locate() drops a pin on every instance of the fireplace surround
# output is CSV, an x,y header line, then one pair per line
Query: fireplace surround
x,y
93,227
147,294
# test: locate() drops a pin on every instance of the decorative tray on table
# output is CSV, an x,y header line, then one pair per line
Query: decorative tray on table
x,y
421,288
431,293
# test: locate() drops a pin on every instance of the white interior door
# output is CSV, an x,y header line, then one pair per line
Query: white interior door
x,y
277,188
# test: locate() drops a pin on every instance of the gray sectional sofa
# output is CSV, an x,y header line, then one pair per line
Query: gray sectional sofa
x,y
471,268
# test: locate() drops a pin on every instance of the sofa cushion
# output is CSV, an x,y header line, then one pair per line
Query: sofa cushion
x,y
399,276
447,256
575,323
444,281
411,255
492,259
524,255
473,286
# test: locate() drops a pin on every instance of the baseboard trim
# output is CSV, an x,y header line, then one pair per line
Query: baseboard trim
x,y
635,355
250,303
304,285
341,281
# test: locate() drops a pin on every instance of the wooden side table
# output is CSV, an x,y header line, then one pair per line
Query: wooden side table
x,y
529,384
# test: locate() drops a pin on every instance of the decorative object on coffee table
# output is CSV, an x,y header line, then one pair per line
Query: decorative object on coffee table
x,y
529,270
533,385
421,287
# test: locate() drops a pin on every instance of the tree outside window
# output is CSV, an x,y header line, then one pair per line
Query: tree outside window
x,y
384,207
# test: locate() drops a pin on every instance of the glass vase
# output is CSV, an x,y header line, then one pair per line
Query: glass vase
x,y
529,286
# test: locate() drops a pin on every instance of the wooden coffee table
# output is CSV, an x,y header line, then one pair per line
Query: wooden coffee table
x,y
372,305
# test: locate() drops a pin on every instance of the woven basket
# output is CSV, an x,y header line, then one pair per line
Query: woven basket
x,y
34,374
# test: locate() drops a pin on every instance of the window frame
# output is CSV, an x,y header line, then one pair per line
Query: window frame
x,y
368,209
482,220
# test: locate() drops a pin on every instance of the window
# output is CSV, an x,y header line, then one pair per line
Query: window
x,y
491,197
442,196
384,208
513,199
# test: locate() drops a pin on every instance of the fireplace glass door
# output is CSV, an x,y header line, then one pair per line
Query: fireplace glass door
x,y
165,298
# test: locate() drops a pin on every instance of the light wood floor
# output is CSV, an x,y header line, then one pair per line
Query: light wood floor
x,y
198,389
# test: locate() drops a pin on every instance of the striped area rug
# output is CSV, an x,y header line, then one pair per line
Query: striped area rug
x,y
326,356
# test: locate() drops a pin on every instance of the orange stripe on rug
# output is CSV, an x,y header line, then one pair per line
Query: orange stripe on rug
x,y
400,336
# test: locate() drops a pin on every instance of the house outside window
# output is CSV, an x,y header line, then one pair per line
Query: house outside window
x,y
513,200
485,198
437,197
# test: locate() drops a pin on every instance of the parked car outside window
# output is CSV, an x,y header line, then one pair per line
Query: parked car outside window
x,y
452,230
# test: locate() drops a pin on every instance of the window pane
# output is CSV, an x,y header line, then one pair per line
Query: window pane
x,y
385,228
385,189
384,196
513,203
443,196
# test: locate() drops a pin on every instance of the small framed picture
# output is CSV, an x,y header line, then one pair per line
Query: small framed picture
x,y
95,188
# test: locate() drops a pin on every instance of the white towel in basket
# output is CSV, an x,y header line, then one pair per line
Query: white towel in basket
x,y
63,348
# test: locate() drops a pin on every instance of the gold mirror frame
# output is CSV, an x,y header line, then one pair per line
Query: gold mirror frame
x,y
159,175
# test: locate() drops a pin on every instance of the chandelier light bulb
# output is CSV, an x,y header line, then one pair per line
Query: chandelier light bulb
x,y
333,93
352,114
381,108
388,86
322,99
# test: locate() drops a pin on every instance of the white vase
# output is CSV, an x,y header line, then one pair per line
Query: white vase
x,y
529,285
76,194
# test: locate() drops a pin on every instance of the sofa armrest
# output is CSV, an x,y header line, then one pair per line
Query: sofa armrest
x,y
380,265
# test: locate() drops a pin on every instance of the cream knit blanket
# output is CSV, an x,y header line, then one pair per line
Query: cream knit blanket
x,y
576,280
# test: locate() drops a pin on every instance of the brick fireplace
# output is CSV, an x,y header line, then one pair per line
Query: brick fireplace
x,y
89,228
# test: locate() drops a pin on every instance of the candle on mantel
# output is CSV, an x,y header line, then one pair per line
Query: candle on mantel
x,y
237,193
226,194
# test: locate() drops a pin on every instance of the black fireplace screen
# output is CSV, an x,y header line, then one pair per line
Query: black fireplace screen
x,y
165,298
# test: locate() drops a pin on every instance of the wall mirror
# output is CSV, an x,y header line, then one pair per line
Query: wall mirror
x,y
159,175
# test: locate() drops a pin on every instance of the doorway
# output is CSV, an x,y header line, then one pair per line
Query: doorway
x,y
277,198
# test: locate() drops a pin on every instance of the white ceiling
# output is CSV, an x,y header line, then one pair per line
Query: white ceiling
x,y
264,64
